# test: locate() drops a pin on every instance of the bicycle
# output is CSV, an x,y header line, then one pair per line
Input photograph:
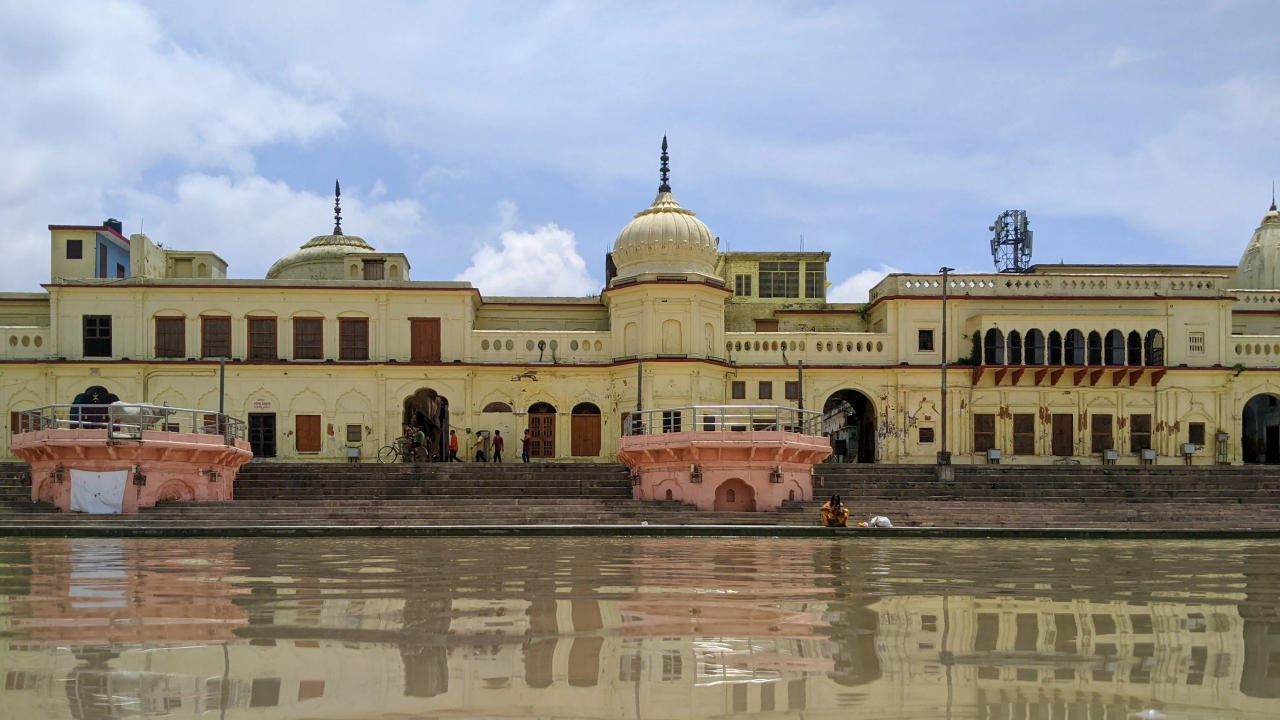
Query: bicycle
x,y
394,452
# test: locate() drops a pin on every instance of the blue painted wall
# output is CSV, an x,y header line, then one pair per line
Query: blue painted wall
x,y
116,255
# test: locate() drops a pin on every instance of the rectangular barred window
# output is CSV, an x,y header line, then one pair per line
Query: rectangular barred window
x,y
924,342
779,279
215,337
171,337
738,390
766,390
791,390
75,249
1024,434
353,339
672,421
1195,342
308,338
742,285
97,336
1139,433
984,432
1100,428
354,433
925,436
815,280
262,339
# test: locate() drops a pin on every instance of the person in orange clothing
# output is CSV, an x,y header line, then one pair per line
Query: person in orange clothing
x,y
453,445
834,513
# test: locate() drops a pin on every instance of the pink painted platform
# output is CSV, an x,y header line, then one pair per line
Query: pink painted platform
x,y
175,466
746,471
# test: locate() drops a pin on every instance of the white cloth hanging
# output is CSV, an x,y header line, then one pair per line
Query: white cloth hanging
x,y
98,492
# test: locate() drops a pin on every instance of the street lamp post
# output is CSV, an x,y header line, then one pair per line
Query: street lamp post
x,y
945,471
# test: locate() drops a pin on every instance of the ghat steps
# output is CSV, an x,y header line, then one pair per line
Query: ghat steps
x,y
1004,496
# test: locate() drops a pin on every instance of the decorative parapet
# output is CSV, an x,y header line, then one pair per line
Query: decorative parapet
x,y
1037,285
814,348
1256,300
534,346
25,342
1255,350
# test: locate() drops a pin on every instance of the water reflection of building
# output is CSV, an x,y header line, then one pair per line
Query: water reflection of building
x,y
647,641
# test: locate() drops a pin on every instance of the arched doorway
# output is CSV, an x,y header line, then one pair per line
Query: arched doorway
x,y
849,419
429,410
542,430
585,439
1260,434
734,495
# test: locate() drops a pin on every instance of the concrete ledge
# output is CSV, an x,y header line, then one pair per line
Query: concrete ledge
x,y
779,531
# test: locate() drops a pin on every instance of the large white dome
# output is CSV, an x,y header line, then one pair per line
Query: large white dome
x,y
1260,266
665,238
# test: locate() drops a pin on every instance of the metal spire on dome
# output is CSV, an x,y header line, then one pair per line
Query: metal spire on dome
x,y
666,168
1273,196
337,208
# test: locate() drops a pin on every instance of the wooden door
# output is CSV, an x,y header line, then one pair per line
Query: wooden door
x,y
542,435
586,435
307,428
262,434
1064,434
424,339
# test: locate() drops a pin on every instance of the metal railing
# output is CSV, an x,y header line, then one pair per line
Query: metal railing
x,y
126,421
717,418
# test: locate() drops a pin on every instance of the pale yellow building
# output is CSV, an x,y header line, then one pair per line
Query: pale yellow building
x,y
338,347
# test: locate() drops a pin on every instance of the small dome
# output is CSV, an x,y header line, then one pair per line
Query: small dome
x,y
319,259
665,238
1260,266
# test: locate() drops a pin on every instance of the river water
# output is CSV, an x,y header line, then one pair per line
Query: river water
x,y
639,628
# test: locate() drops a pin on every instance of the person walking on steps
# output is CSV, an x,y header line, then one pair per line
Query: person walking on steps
x,y
497,446
524,446
479,445
453,445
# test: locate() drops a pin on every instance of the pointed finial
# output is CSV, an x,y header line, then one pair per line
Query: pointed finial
x,y
666,168
337,208
1273,196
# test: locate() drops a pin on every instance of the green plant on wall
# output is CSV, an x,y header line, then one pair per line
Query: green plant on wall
x,y
975,352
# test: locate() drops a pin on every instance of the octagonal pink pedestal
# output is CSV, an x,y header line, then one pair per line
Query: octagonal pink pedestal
x,y
724,470
163,466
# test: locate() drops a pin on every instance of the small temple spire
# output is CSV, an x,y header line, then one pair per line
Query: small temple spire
x,y
666,168
337,208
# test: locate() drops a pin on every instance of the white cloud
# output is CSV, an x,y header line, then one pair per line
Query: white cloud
x,y
252,222
544,261
1124,56
857,288
101,96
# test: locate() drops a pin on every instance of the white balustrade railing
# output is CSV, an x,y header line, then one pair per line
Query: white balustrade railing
x,y
718,418
129,420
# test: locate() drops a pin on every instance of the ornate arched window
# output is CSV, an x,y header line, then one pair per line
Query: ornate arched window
x,y
1095,348
1153,348
1015,348
1055,347
1073,348
1135,348
1034,354
1113,353
993,348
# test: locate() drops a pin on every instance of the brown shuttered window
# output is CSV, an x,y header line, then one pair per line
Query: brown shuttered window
x,y
262,339
215,337
1024,434
766,390
308,338
739,388
171,337
1100,428
984,432
353,339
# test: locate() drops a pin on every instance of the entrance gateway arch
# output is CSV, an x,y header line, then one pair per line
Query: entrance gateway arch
x,y
850,422
429,410
1260,431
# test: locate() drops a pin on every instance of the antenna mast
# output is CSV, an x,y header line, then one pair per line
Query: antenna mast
x,y
1011,242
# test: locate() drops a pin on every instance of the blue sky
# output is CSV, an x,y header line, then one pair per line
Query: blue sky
x,y
508,143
